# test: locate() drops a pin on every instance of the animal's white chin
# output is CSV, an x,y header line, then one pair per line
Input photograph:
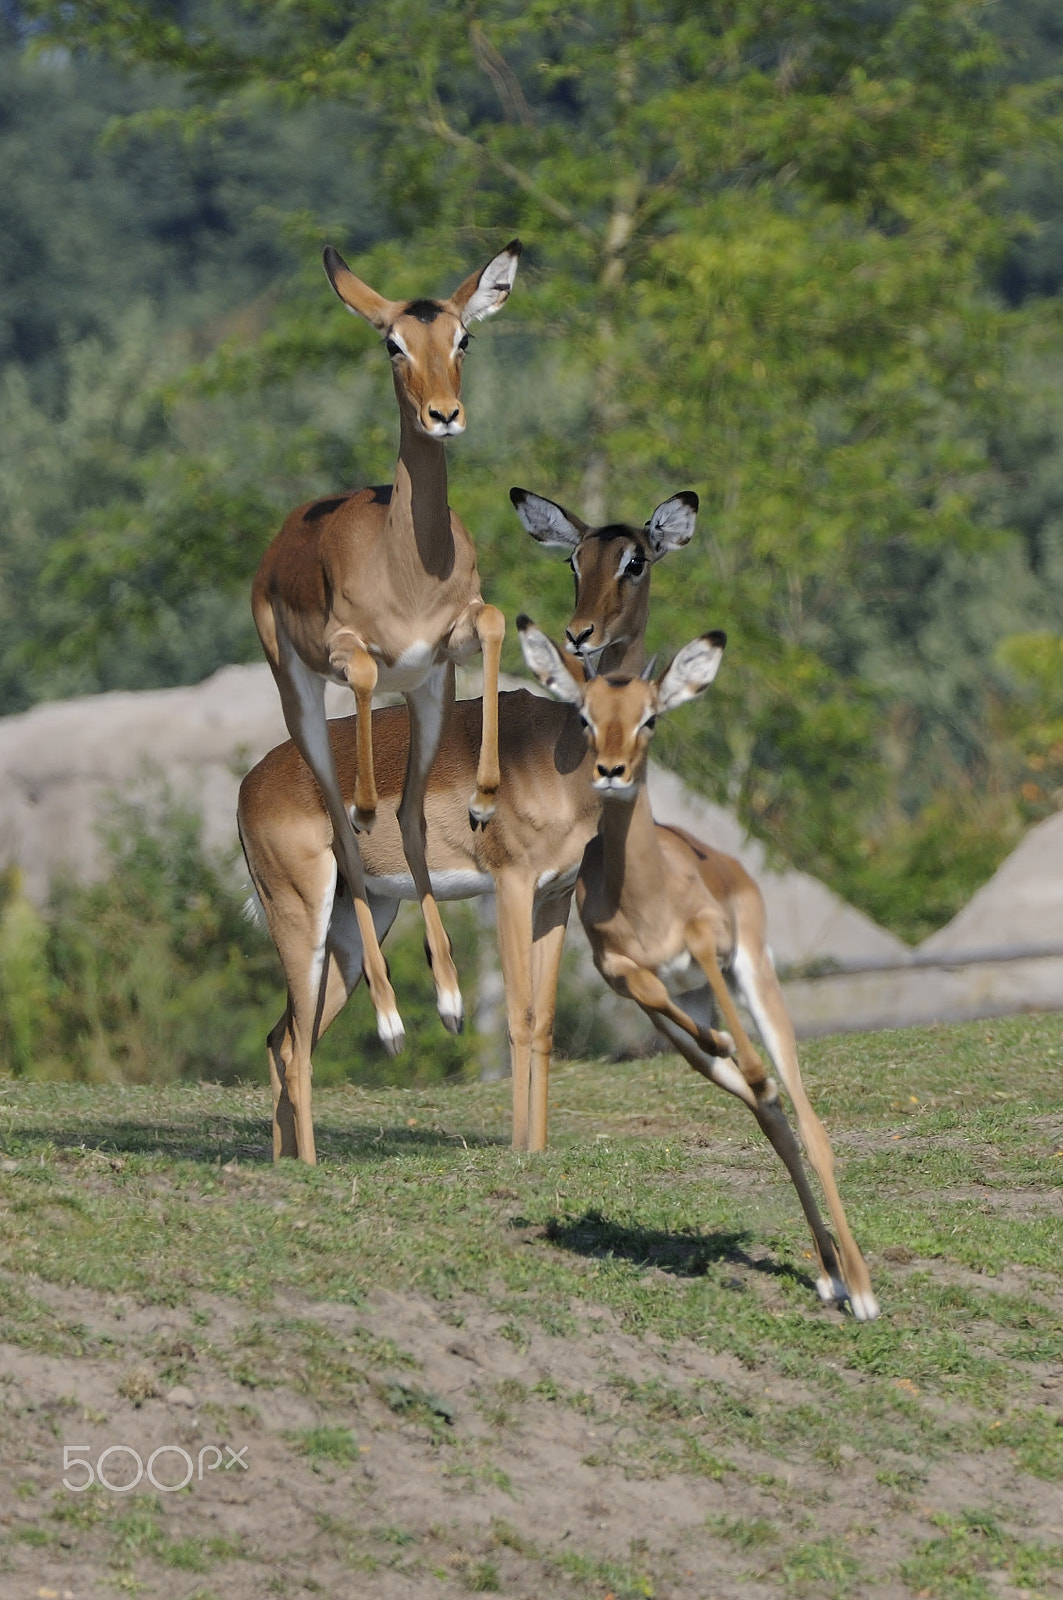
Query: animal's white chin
x,y
613,788
444,430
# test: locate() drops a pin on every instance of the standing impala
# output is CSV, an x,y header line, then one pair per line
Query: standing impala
x,y
546,813
380,587
662,912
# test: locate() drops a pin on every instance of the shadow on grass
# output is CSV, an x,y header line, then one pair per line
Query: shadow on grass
x,y
682,1254
249,1140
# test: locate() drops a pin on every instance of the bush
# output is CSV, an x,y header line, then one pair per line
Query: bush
x,y
156,973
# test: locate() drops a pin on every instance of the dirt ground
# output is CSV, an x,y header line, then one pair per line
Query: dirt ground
x,y
491,1480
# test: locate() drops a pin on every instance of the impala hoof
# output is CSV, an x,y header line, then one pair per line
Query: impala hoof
x,y
451,1010
362,821
864,1307
391,1033
833,1292
481,809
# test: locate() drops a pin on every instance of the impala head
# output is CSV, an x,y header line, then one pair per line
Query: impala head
x,y
618,714
427,339
611,565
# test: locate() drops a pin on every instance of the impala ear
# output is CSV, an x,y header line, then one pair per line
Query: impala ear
x,y
672,524
545,662
356,295
551,524
486,291
692,671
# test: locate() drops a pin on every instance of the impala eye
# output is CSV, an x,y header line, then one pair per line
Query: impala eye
x,y
636,566
463,343
649,724
393,347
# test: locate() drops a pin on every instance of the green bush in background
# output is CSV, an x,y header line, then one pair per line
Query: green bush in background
x,y
156,973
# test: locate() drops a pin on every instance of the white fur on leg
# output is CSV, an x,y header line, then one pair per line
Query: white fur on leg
x,y
451,1009
390,1031
865,1307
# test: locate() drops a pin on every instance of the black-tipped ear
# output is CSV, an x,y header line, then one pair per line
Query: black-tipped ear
x,y
692,671
544,660
356,295
551,524
672,524
486,291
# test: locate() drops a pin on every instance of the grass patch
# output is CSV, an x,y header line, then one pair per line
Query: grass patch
x,y
658,1221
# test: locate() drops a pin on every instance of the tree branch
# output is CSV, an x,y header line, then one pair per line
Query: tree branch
x,y
437,124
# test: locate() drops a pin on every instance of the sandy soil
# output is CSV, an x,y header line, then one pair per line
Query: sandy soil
x,y
490,1486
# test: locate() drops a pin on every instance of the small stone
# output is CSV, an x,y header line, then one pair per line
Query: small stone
x,y
181,1396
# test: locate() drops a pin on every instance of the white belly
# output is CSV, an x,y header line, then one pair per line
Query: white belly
x,y
445,885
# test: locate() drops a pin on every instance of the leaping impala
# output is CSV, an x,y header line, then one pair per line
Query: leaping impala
x,y
380,588
662,912
546,813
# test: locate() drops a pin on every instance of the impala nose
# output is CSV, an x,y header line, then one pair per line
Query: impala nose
x,y
439,413
610,772
577,640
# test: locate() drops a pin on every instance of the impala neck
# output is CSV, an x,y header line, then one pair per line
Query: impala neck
x,y
631,855
419,516
625,659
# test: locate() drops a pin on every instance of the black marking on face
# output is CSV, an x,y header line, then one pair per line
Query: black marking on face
x,y
324,508
423,310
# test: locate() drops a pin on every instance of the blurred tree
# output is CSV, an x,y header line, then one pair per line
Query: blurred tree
x,y
761,237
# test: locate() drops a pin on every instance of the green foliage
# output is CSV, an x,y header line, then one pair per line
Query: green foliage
x,y
1035,661
155,974
25,982
764,241
351,1052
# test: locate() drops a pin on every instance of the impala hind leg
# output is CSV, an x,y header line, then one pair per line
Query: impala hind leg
x,y
759,987
302,695
317,992
429,706
298,916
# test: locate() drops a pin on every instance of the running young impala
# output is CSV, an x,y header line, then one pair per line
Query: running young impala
x,y
545,814
663,913
380,587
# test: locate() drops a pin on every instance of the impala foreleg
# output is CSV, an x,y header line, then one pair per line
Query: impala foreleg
x,y
649,991
360,670
429,707
490,627
514,902
770,1115
548,940
756,979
